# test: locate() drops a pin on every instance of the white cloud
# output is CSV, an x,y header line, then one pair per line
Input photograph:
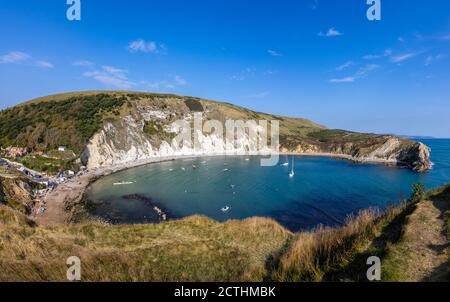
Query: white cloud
x,y
359,74
14,57
386,53
343,80
180,81
111,76
83,63
274,53
177,81
332,32
145,46
244,74
44,64
363,71
403,57
345,66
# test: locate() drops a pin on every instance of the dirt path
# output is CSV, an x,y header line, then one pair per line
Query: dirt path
x,y
423,252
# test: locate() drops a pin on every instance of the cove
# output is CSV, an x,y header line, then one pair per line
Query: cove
x,y
324,190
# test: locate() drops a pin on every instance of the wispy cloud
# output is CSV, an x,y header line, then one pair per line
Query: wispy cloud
x,y
345,66
386,53
403,57
359,74
171,84
180,81
371,57
332,32
83,63
14,57
44,64
343,80
274,53
243,74
111,76
269,72
431,59
363,71
145,46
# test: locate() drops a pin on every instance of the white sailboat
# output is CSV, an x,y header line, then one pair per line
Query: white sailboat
x,y
292,174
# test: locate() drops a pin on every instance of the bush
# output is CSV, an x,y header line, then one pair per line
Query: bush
x,y
47,125
418,192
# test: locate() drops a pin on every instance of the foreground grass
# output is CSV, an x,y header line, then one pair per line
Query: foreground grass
x,y
194,249
256,249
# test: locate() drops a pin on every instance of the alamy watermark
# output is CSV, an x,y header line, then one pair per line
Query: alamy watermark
x,y
374,271
374,11
232,137
74,11
74,270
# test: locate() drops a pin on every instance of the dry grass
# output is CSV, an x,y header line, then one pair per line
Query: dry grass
x,y
315,253
193,249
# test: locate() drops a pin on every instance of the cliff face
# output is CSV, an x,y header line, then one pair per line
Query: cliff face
x,y
144,131
413,155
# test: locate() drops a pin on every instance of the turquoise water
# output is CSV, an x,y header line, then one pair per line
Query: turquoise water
x,y
323,191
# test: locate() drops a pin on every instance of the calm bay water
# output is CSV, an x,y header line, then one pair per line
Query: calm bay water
x,y
323,191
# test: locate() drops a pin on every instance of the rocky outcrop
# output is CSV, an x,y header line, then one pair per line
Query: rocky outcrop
x,y
16,192
383,149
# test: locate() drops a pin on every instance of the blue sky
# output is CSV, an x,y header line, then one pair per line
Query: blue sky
x,y
319,59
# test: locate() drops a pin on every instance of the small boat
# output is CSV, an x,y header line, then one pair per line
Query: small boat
x,y
183,169
225,170
123,183
285,164
247,159
292,174
225,209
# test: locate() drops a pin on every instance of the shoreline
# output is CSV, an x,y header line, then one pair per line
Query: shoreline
x,y
61,201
